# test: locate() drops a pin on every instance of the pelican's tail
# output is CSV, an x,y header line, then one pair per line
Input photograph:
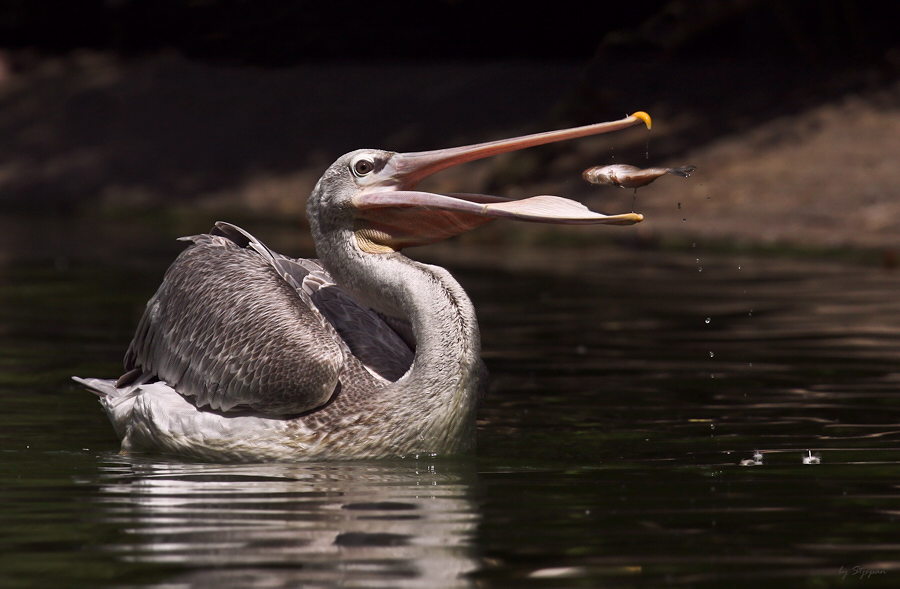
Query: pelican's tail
x,y
683,171
99,386
118,402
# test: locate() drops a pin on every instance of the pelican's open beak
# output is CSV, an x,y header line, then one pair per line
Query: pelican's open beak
x,y
397,216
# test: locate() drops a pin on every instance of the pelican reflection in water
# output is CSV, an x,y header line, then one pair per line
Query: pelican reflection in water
x,y
245,354
310,524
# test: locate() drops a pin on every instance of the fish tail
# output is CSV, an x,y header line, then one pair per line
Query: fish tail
x,y
684,171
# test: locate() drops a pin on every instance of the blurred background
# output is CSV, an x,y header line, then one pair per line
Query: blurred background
x,y
203,109
753,312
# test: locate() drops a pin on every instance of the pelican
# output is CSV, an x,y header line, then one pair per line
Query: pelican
x,y
244,354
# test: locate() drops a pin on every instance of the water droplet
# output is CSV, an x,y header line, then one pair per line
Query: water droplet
x,y
712,375
751,365
712,426
679,206
750,313
698,260
684,220
739,267
707,319
700,269
693,245
711,354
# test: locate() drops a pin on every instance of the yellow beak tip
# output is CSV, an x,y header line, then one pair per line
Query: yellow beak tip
x,y
644,117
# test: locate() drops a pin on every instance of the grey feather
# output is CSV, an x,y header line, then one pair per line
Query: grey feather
x,y
203,334
377,346
269,332
369,337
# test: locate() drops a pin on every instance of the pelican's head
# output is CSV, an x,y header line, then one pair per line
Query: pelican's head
x,y
370,193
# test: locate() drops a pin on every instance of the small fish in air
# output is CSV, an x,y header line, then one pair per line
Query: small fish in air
x,y
625,176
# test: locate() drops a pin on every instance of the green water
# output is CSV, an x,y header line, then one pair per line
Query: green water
x,y
609,447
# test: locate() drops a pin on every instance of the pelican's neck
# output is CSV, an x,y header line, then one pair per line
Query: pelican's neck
x,y
440,312
442,389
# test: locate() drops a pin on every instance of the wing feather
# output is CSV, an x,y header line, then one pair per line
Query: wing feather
x,y
236,326
368,336
227,330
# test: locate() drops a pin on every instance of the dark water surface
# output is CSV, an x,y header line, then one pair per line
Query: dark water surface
x,y
627,388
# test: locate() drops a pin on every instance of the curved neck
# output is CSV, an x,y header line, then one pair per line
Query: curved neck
x,y
442,389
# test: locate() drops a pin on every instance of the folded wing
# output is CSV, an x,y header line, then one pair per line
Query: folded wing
x,y
235,326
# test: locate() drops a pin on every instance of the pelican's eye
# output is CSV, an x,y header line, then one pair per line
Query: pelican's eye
x,y
362,167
